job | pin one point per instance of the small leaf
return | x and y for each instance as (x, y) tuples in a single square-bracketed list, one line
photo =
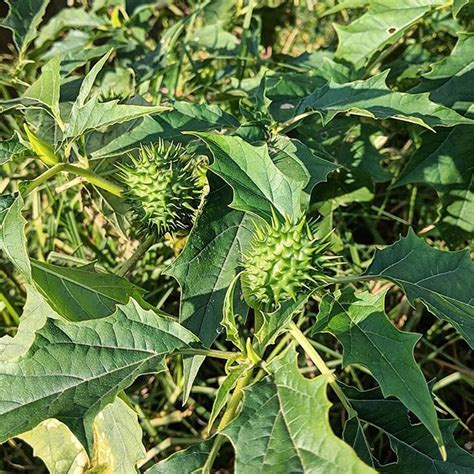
[(78, 294), (43, 149), (294, 159), (12, 237), (273, 324), (23, 19), (46, 88), (443, 281), (229, 316), (359, 321), (283, 426), (258, 185)]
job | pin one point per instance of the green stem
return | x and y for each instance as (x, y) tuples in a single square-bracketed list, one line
[(90, 176), (133, 260), (411, 211), (350, 279), (209, 353), (227, 417), (234, 401), (42, 178), (321, 365), (95, 179)]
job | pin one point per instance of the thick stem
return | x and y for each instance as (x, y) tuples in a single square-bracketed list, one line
[(227, 417), (234, 401), (90, 176), (95, 179), (42, 178), (321, 365)]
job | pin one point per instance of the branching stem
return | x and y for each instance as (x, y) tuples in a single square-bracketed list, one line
[(321, 365), (227, 417), (90, 176)]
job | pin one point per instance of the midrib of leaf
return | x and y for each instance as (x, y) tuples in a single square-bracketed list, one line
[(287, 427), (60, 276), (59, 392)]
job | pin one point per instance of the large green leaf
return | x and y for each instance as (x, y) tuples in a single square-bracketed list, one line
[(443, 281), (67, 18), (367, 98), (445, 161), (258, 185), (12, 237), (359, 321), (215, 40), (78, 294), (372, 98), (34, 315), (23, 19), (450, 80), (94, 114), (168, 125), (207, 266), (413, 444), (384, 23), (73, 370), (283, 426)]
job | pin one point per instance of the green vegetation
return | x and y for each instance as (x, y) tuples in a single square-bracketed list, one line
[(235, 236)]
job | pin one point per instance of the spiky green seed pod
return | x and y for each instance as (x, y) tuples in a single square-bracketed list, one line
[(282, 260), (163, 188)]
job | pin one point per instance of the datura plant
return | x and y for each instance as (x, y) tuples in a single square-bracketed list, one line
[(235, 236)]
